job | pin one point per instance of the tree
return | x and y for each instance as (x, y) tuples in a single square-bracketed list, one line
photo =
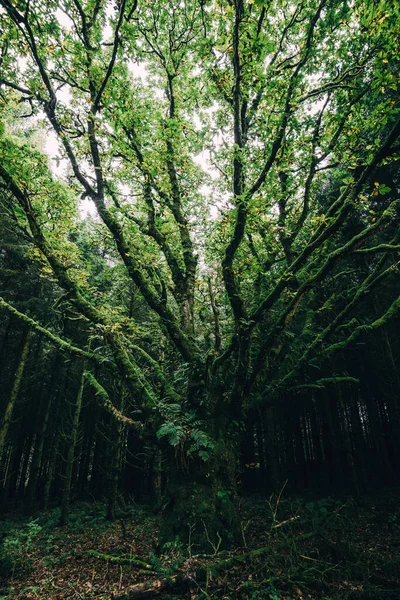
[(295, 105)]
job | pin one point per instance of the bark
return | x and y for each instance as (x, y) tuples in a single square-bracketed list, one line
[(50, 471), (19, 375), (41, 433), (347, 438), (25, 464), (260, 448), (157, 476), (200, 499), (115, 463), (66, 496), (330, 442)]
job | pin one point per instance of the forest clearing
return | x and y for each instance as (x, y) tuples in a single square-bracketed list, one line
[(200, 299)]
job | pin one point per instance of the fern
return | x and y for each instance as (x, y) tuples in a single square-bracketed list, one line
[(173, 432), (181, 426), (201, 444), (167, 568)]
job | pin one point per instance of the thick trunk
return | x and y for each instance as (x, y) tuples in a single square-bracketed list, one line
[(200, 498), (200, 511)]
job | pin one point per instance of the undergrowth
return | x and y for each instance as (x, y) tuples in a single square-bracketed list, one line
[(290, 549)]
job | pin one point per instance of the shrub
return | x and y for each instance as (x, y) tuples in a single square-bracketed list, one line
[(16, 548)]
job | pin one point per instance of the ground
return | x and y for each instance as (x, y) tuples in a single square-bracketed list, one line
[(292, 548)]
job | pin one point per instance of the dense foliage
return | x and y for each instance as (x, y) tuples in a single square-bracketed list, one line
[(228, 315)]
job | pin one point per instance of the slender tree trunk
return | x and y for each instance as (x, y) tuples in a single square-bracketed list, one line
[(247, 457), (359, 441), (50, 470), (115, 463), (331, 446), (348, 443), (66, 495), (25, 464), (271, 446), (53, 441), (394, 396), (84, 466), (10, 466), (157, 476), (41, 433), (260, 448), (4, 339), (15, 388)]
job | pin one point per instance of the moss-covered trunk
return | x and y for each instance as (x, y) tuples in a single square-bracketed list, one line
[(200, 499), (19, 374)]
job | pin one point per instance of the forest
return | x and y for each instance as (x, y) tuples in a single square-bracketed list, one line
[(200, 299)]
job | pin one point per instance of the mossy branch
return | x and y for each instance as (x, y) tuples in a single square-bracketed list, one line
[(379, 248), (104, 398), (124, 559), (150, 360), (324, 381), (391, 312), (62, 344)]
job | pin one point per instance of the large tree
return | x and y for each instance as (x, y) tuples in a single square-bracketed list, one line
[(230, 151)]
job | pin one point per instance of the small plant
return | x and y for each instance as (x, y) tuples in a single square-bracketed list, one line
[(16, 548), (171, 558), (321, 511)]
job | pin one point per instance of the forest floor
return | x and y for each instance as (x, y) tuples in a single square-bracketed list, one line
[(291, 549)]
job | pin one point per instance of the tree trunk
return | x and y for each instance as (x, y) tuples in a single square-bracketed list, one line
[(41, 433), (66, 495), (15, 388), (200, 497), (348, 442), (51, 467), (115, 465)]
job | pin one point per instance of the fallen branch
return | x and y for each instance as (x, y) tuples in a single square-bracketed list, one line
[(124, 559), (150, 589)]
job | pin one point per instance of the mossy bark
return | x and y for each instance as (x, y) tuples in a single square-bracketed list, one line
[(200, 507), (15, 388)]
